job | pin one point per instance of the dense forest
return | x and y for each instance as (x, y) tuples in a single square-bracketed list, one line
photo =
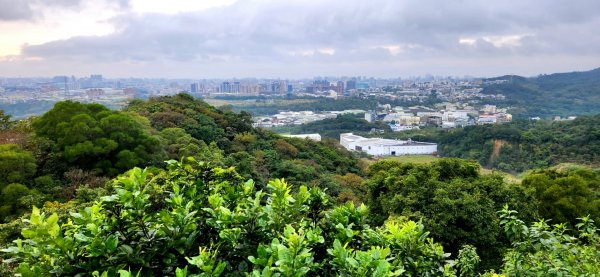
[(86, 191), (73, 145)]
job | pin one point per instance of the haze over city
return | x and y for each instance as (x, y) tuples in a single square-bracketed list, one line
[(296, 39)]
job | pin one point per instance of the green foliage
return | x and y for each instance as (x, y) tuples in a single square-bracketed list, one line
[(5, 121), (195, 220), (179, 143), (565, 195), (373, 262), (544, 250), (187, 125), (92, 137), (16, 199), (16, 165), (468, 260), (564, 94), (196, 117), (456, 204), (521, 145), (291, 257)]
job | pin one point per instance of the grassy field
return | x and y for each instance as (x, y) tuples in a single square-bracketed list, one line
[(421, 159)]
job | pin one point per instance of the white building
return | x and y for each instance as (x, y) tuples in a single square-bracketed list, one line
[(386, 147), (370, 116), (489, 108), (402, 128), (315, 137), (487, 119), (453, 115)]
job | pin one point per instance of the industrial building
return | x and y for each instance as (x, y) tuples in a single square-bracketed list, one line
[(386, 147)]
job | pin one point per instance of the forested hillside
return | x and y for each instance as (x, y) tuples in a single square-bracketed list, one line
[(86, 191), (77, 145), (524, 145), (562, 94), (196, 220)]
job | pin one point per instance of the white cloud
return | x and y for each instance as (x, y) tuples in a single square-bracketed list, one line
[(496, 41), (176, 6)]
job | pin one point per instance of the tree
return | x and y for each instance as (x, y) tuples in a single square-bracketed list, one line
[(563, 195), (16, 200), (5, 122), (455, 203), (179, 143), (544, 250), (16, 165), (92, 137), (203, 221), (195, 116), (352, 188)]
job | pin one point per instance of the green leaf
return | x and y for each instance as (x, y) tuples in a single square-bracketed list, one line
[(111, 243)]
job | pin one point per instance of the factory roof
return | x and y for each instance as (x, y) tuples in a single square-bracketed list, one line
[(380, 141)]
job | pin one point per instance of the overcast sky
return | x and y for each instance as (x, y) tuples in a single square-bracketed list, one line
[(297, 38)]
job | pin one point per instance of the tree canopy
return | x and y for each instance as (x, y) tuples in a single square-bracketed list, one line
[(193, 219), (566, 194), (16, 165), (524, 145), (93, 137), (454, 202)]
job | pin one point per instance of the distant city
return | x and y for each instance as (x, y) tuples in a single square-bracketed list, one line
[(116, 92)]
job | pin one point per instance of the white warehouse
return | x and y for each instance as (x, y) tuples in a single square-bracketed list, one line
[(386, 147)]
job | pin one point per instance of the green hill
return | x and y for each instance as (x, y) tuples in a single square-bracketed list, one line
[(524, 145), (563, 94)]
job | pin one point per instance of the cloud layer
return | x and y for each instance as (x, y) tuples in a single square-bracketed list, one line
[(305, 38)]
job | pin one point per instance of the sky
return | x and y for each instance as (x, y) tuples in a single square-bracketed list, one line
[(297, 38)]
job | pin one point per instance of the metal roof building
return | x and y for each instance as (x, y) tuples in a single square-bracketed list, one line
[(386, 147)]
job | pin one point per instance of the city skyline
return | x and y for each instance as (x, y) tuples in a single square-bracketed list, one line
[(296, 39)]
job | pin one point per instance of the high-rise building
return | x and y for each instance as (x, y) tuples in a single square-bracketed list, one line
[(225, 87), (351, 84), (340, 88), (282, 87), (96, 78), (236, 87)]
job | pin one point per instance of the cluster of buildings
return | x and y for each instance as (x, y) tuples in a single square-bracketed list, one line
[(288, 118), (450, 116), (107, 96), (386, 147), (414, 89), (277, 87), (93, 88)]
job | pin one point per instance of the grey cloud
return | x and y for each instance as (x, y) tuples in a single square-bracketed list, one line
[(296, 31), (13, 10)]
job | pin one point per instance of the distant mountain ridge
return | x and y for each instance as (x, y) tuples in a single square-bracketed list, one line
[(558, 94)]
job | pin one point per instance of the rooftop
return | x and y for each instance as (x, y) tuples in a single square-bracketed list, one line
[(380, 141)]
